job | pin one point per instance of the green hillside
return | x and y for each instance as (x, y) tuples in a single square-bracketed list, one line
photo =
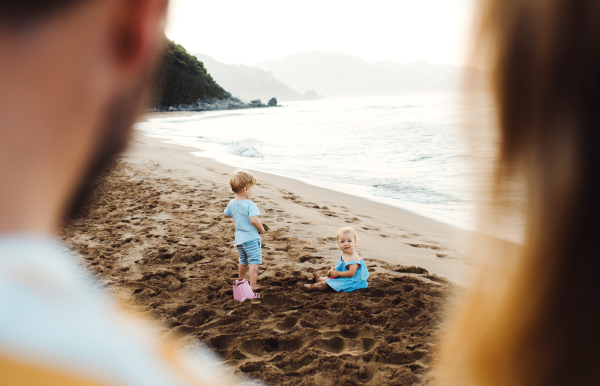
[(182, 79)]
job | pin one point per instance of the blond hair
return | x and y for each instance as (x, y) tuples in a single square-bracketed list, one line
[(539, 327), (344, 230), (240, 179)]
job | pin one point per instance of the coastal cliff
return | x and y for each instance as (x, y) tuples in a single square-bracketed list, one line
[(183, 84), (182, 79)]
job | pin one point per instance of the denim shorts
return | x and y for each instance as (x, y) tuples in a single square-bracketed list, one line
[(250, 252)]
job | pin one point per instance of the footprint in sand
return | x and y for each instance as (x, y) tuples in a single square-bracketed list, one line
[(336, 345), (223, 342), (270, 346), (434, 247), (287, 324), (411, 269), (312, 259)]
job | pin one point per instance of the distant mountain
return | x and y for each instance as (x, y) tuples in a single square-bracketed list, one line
[(182, 79), (248, 82), (311, 95), (335, 73)]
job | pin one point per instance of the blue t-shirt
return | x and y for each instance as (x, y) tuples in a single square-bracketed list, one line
[(241, 211)]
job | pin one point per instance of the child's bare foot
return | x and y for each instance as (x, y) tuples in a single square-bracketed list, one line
[(321, 286), (317, 277), (257, 287), (304, 287)]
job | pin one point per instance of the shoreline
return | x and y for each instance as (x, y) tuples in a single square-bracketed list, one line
[(388, 233), (347, 188)]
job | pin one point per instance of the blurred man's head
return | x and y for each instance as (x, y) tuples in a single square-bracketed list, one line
[(73, 76)]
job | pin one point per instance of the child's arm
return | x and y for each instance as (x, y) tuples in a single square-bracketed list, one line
[(227, 212), (349, 273), (257, 224)]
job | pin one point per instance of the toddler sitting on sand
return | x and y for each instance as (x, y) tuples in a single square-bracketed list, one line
[(349, 274), (248, 227)]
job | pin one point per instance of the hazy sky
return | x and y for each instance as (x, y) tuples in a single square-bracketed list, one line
[(235, 31)]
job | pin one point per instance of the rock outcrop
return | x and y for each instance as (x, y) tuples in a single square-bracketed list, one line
[(211, 104)]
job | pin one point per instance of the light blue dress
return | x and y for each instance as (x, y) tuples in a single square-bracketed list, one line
[(348, 284)]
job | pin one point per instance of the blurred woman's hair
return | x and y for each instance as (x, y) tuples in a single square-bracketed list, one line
[(542, 325)]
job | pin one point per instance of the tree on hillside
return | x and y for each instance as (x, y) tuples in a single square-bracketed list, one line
[(182, 79)]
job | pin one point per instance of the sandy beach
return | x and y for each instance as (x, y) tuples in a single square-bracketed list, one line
[(155, 235)]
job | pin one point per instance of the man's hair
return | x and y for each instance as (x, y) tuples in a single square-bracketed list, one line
[(241, 179), (27, 11), (344, 230)]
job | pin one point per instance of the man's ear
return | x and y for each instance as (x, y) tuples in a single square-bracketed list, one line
[(137, 32)]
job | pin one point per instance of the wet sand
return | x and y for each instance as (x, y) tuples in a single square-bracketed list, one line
[(155, 235)]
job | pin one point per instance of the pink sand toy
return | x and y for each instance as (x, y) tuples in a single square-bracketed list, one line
[(242, 290)]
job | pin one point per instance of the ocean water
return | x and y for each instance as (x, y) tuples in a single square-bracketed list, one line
[(407, 151)]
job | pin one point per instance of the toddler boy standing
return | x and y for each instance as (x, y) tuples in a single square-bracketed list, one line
[(248, 227)]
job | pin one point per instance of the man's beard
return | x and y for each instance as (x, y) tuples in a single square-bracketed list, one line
[(114, 136)]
